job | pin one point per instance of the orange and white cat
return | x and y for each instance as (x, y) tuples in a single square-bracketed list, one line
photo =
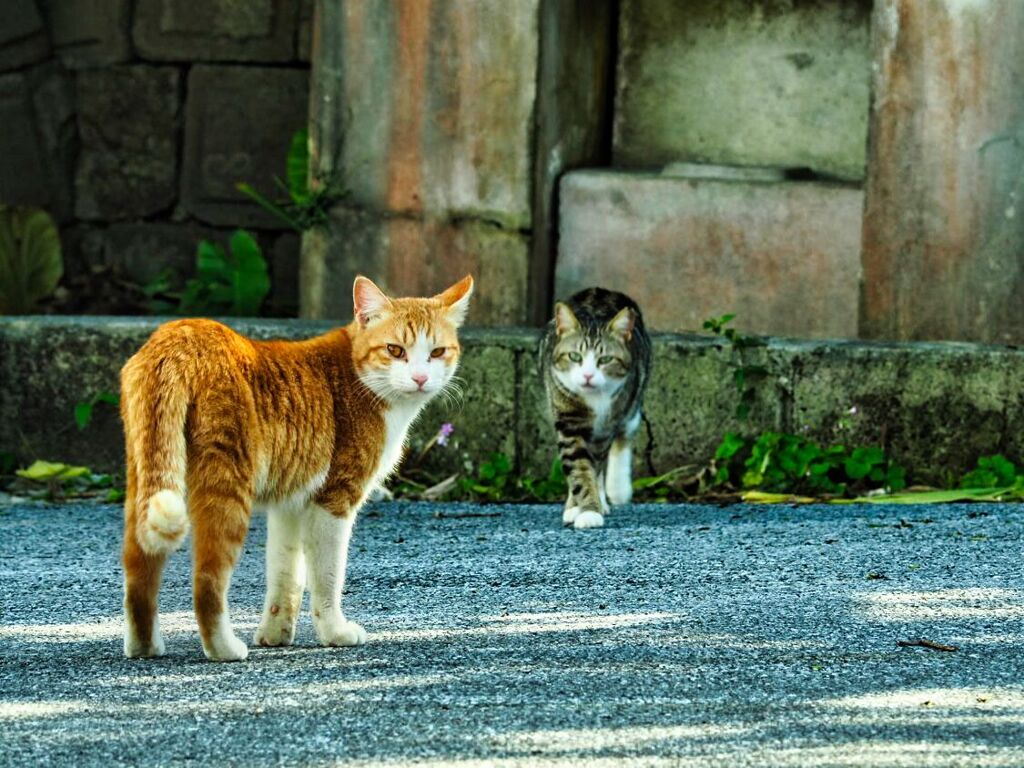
[(216, 423)]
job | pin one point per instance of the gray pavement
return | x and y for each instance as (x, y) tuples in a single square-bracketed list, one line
[(678, 635)]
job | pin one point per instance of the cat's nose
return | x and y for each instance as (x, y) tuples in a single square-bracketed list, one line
[(588, 377), (420, 379)]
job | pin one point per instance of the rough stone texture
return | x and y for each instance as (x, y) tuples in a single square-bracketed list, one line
[(284, 273), (946, 403), (944, 227), (574, 89), (239, 124), (23, 39), (784, 257), (89, 33), (393, 250), (37, 139), (304, 31), (936, 407), (779, 82), (427, 108), (222, 30), (142, 251), (128, 119)]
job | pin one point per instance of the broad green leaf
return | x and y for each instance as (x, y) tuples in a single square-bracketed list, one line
[(30, 258), (731, 444), (939, 497), (44, 471), (762, 497), (251, 283)]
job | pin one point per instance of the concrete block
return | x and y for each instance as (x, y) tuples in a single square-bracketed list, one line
[(226, 30), (688, 249), (284, 274), (943, 226), (427, 108), (23, 39), (393, 251), (744, 83), (37, 142), (304, 31), (238, 127), (128, 120), (935, 407), (89, 33)]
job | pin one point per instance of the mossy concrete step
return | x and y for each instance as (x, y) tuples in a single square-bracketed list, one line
[(937, 407)]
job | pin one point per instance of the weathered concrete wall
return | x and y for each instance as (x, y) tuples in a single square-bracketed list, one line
[(785, 257), (936, 407), (943, 226), (769, 82), (142, 115), (429, 114)]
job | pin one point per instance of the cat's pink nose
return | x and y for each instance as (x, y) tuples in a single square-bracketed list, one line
[(588, 377), (420, 379)]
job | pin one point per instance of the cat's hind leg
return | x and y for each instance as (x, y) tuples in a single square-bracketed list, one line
[(142, 574), (220, 519), (285, 578), (325, 539)]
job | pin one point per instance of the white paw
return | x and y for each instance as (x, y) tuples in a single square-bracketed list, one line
[(133, 649), (620, 489), (588, 519), (226, 647), (275, 630), (570, 515), (341, 633)]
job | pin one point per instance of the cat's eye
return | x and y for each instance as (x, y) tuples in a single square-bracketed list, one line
[(437, 352), (576, 357), (604, 359), (396, 351)]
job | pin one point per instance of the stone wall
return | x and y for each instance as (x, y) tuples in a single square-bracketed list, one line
[(131, 121)]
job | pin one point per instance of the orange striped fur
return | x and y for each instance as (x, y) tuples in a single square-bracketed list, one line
[(216, 423)]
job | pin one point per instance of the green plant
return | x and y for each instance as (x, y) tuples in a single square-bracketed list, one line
[(745, 376), (550, 488), (84, 409), (778, 462), (231, 282), (492, 479), (55, 480), (306, 205), (30, 258), (992, 472)]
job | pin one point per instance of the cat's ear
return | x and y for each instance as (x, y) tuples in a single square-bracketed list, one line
[(623, 323), (456, 299), (565, 320), (368, 301)]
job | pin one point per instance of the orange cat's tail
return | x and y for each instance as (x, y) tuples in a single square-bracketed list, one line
[(154, 405)]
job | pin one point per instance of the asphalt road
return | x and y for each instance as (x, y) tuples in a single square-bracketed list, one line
[(677, 635)]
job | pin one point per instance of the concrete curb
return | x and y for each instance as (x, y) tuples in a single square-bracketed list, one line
[(935, 406)]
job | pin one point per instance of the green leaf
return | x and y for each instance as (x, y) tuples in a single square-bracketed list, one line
[(108, 397), (83, 414), (250, 281), (30, 259), (297, 167), (44, 471), (731, 445), (939, 497)]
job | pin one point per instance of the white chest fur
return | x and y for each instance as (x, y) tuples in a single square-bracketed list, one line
[(397, 421)]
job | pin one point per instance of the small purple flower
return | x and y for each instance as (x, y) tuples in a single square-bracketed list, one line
[(446, 431)]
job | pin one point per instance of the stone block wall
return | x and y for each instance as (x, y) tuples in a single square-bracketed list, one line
[(131, 121)]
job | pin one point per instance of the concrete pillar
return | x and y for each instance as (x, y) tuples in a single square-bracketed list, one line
[(448, 122), (944, 213)]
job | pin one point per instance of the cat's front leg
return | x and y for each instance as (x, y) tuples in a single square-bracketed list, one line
[(325, 539), (285, 576), (583, 508)]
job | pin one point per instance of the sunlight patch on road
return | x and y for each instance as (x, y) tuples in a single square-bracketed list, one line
[(996, 603), (530, 623)]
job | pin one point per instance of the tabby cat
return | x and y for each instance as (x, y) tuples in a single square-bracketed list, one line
[(596, 359), (216, 423)]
